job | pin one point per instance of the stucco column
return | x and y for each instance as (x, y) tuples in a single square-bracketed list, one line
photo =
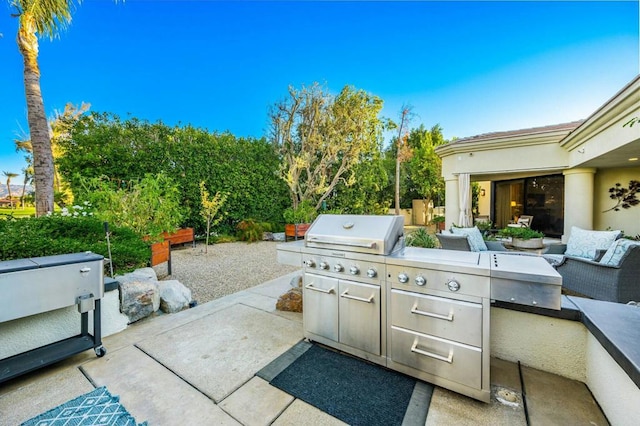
[(578, 199), (451, 202)]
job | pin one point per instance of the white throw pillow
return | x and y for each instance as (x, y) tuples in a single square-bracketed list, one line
[(584, 243), (476, 242), (616, 252)]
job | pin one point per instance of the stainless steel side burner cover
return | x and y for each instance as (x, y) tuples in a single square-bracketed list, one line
[(356, 233)]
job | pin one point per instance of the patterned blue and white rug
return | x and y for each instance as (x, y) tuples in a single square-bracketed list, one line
[(97, 407)]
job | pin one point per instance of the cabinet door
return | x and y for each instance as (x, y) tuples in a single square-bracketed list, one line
[(320, 310), (360, 316)]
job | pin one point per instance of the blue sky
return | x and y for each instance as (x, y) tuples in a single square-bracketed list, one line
[(472, 67)]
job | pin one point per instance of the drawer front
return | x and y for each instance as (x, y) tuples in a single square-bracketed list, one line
[(360, 316), (442, 358), (438, 316), (320, 306)]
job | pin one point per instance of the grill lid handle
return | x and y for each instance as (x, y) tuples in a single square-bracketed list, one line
[(368, 245)]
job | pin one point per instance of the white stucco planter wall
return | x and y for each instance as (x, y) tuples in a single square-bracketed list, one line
[(549, 344), (32, 332), (568, 349), (616, 393)]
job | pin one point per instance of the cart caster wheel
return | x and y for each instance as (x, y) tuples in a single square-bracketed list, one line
[(101, 351)]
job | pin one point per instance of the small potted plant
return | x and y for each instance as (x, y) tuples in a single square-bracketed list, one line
[(525, 238), (438, 221), (298, 219)]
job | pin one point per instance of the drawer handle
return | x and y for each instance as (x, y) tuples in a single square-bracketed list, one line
[(416, 311), (320, 290), (448, 359), (346, 295)]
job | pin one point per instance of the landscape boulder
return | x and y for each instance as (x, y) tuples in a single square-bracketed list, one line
[(174, 296), (291, 301), (139, 295)]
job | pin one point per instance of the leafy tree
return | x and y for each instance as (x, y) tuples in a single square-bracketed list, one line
[(210, 208), (321, 138), (149, 207), (60, 128), (365, 193), (425, 167), (420, 176)]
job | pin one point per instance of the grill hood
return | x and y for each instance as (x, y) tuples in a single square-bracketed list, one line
[(356, 233)]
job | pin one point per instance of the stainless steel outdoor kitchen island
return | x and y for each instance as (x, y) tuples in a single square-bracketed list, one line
[(423, 312)]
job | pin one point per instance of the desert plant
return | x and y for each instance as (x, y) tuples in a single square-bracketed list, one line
[(420, 238)]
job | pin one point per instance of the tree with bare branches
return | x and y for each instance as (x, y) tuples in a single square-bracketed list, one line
[(321, 137)]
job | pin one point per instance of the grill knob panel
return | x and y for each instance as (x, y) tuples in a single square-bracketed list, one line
[(420, 280), (403, 278), (354, 270), (453, 285), (323, 265), (310, 263), (338, 267), (371, 273)]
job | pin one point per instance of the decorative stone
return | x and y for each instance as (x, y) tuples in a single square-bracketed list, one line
[(174, 296), (267, 236), (139, 296), (278, 236), (150, 273), (290, 301)]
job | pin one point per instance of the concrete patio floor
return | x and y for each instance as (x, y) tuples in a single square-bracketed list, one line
[(198, 367)]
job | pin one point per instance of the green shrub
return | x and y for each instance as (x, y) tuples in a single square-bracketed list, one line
[(421, 238), (251, 231), (51, 235), (523, 233)]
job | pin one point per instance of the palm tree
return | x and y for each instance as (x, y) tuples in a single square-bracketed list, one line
[(46, 18), (10, 176), (27, 172)]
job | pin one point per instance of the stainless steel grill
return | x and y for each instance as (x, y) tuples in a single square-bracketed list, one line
[(424, 312)]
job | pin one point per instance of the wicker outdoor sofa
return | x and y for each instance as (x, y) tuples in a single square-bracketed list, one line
[(619, 283)]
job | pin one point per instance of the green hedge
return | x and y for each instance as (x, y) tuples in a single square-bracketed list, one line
[(45, 236), (102, 144)]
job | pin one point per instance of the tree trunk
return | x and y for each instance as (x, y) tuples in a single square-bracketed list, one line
[(38, 126), (398, 181)]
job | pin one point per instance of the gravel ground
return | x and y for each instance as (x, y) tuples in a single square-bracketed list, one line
[(225, 268)]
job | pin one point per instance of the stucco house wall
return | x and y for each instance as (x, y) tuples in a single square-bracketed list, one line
[(592, 154)]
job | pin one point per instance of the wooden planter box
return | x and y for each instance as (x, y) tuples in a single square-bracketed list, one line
[(181, 236), (160, 253), (296, 231)]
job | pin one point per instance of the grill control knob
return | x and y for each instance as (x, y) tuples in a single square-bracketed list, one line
[(371, 273), (324, 265), (354, 270), (338, 267), (309, 263), (403, 278), (421, 280), (453, 285)]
